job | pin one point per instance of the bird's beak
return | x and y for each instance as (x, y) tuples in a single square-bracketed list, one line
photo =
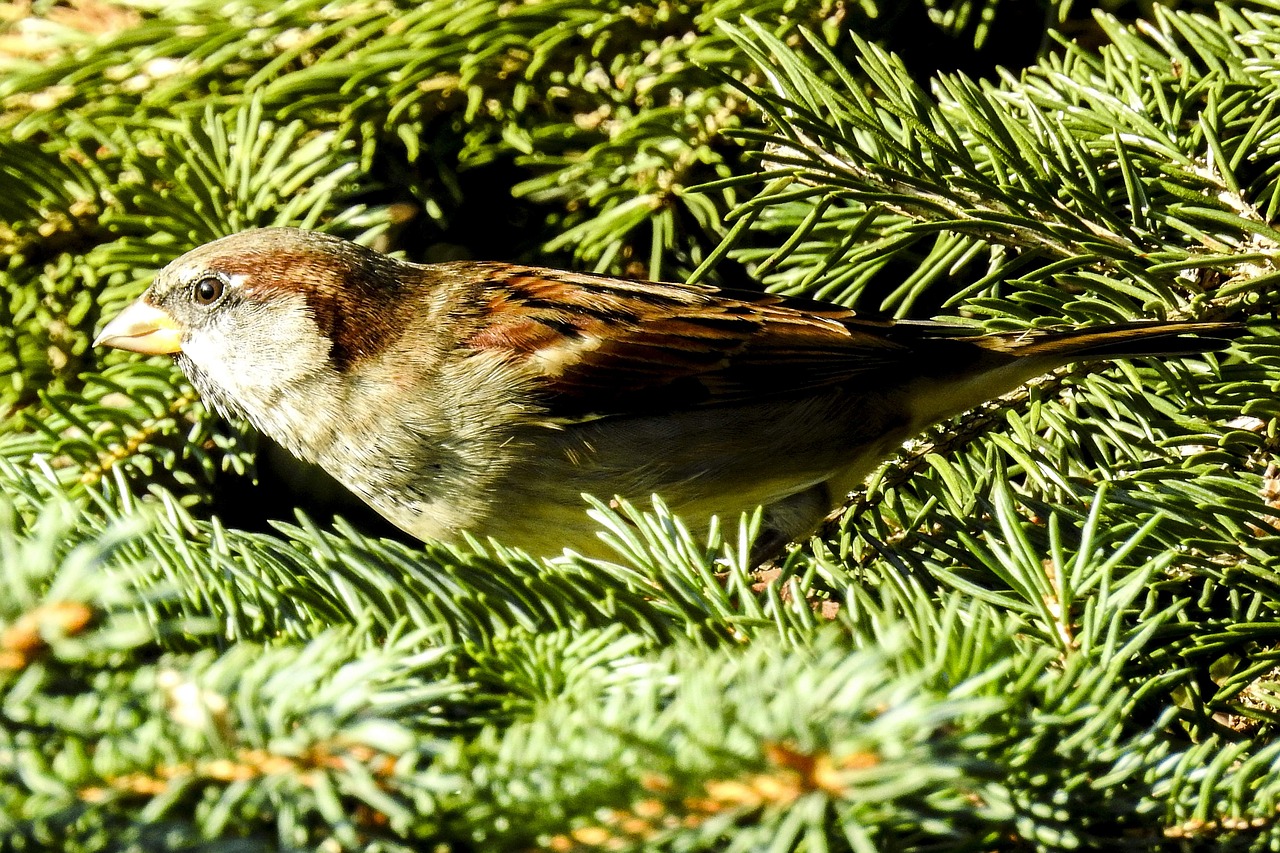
[(142, 328)]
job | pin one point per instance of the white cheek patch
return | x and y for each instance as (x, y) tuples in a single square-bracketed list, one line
[(270, 365), (253, 352)]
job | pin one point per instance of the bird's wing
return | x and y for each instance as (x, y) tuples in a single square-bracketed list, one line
[(602, 346)]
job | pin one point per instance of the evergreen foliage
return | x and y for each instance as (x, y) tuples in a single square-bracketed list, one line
[(1051, 623)]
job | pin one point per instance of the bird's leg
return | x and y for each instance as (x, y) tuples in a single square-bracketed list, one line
[(789, 519)]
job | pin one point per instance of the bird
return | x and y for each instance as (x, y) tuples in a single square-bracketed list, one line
[(486, 398)]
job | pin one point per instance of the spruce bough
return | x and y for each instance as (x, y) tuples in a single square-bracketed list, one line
[(1049, 623)]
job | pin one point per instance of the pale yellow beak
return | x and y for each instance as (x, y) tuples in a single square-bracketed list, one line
[(142, 328)]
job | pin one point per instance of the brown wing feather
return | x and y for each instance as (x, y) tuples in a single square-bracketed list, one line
[(605, 346)]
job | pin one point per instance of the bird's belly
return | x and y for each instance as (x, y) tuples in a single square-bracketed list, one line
[(715, 462)]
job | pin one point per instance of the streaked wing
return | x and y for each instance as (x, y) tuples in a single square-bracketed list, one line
[(606, 346)]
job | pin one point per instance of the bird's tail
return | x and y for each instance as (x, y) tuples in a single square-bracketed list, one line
[(1121, 340), (963, 372)]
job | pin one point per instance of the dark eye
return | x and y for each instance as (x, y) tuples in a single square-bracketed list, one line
[(208, 290)]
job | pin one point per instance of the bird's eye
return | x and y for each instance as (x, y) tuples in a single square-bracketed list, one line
[(208, 290)]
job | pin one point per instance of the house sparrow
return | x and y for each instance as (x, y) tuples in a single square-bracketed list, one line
[(488, 397)]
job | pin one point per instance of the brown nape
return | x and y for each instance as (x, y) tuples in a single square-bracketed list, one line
[(357, 296)]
